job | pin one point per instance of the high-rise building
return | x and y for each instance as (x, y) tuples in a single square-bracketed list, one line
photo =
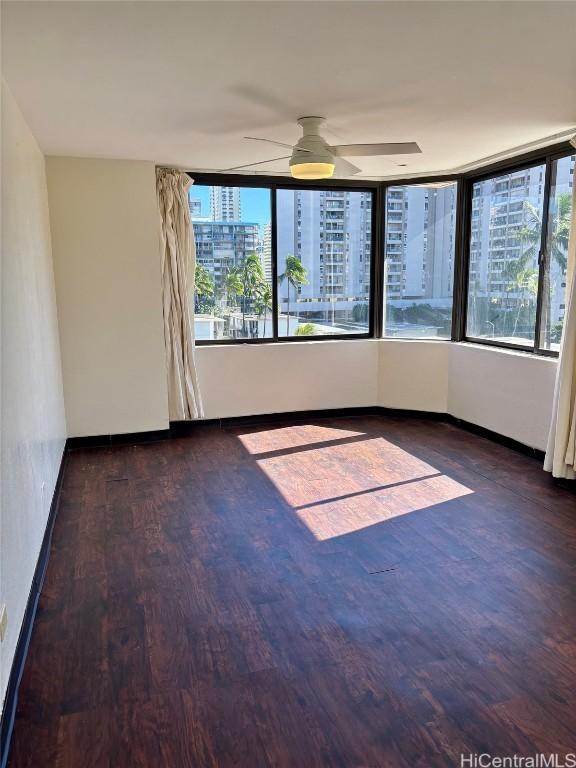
[(225, 204), (195, 206), (265, 251), (221, 245), (329, 231), (503, 265), (438, 279), (499, 214), (419, 250)]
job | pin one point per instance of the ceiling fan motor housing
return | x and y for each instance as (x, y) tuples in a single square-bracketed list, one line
[(316, 148)]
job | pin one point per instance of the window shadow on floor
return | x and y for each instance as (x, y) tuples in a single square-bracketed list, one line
[(337, 485)]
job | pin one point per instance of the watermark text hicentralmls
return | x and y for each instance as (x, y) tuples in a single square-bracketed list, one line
[(540, 760)]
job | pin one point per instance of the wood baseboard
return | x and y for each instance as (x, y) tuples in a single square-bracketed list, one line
[(183, 428), (11, 697)]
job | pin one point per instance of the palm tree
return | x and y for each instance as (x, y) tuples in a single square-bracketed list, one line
[(252, 276), (295, 275), (233, 287), (558, 230), (203, 285), (557, 246), (263, 302), (233, 283), (525, 281)]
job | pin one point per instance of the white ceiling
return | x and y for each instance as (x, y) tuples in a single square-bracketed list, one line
[(182, 82)]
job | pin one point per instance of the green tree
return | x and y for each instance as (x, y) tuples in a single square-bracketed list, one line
[(557, 249), (556, 333), (561, 226), (520, 277), (252, 276), (295, 275), (306, 329), (233, 284), (263, 302), (558, 230), (524, 279), (203, 288)]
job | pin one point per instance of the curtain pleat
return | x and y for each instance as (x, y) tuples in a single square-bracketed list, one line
[(178, 250), (561, 450)]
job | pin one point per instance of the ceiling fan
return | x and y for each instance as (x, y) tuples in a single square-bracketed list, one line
[(313, 158)]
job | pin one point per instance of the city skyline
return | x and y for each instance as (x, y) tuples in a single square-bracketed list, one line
[(254, 202), (329, 232)]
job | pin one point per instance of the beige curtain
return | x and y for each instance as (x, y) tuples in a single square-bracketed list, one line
[(178, 267), (561, 450)]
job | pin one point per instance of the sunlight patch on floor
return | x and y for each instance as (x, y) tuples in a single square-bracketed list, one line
[(337, 518), (342, 487), (299, 435)]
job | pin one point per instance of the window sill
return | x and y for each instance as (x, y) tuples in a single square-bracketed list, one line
[(415, 340), (282, 342), (525, 353), (481, 346)]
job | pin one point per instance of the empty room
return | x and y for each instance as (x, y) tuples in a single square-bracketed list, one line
[(288, 384)]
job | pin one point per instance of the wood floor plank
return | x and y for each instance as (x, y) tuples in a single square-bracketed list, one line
[(368, 592)]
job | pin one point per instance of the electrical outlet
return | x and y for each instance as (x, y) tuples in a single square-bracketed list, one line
[(3, 622)]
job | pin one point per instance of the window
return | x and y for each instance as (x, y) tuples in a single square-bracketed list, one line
[(554, 275), (478, 257), (518, 247), (419, 254), (233, 298), (505, 241), (324, 248)]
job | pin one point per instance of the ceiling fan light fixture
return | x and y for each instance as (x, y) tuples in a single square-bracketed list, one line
[(311, 158), (312, 171)]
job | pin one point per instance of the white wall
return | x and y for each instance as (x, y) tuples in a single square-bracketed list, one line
[(32, 412), (506, 391), (105, 240), (248, 379), (272, 378), (413, 375)]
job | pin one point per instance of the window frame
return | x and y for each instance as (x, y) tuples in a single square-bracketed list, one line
[(274, 183), (546, 157), (414, 182), (378, 189)]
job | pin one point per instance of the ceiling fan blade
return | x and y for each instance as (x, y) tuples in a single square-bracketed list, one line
[(344, 168), (266, 100), (261, 162), (278, 143), (366, 150)]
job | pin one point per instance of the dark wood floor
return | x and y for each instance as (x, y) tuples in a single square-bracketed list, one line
[(349, 593)]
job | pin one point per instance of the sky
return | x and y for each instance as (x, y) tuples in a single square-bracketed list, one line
[(254, 203)]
